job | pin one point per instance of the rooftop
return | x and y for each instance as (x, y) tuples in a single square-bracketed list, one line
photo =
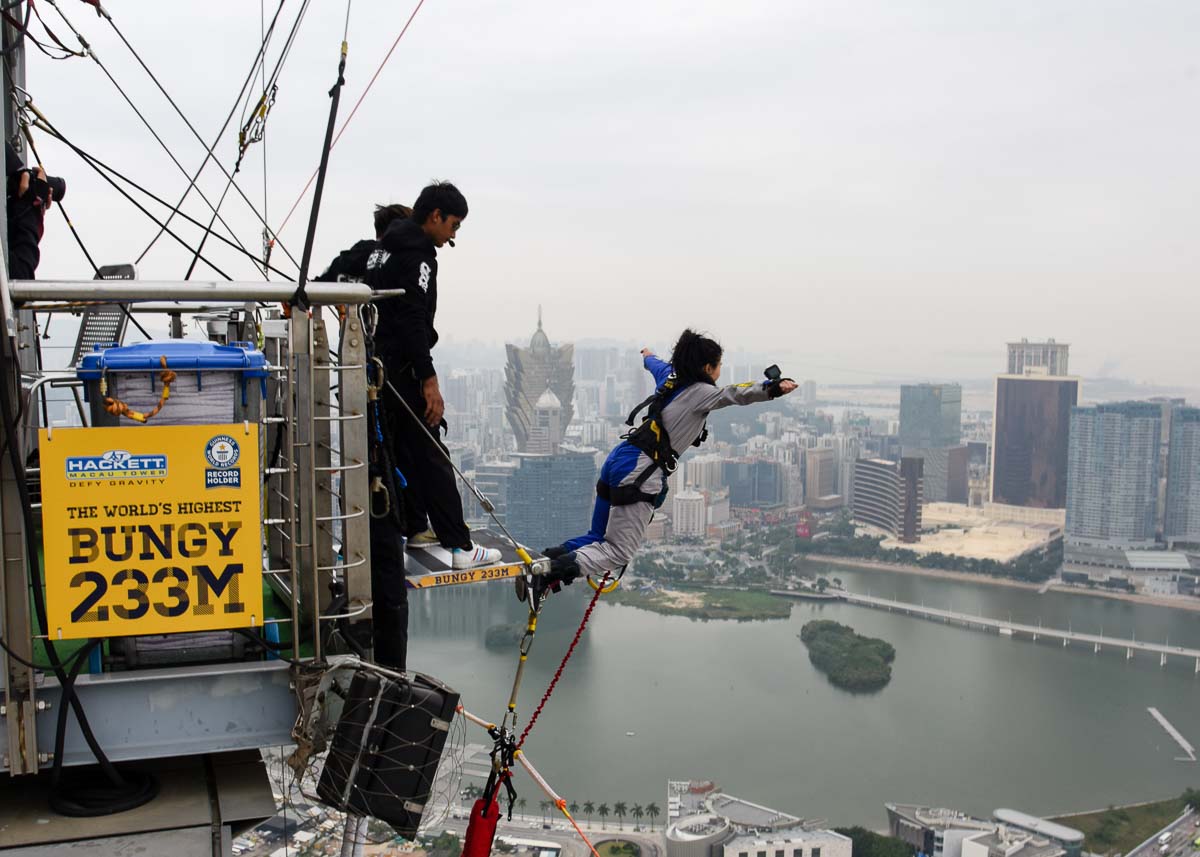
[(1157, 561), (1004, 844), (1040, 826), (792, 835), (743, 813), (695, 827), (938, 817)]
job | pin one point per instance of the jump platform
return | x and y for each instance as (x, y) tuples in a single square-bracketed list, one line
[(428, 568)]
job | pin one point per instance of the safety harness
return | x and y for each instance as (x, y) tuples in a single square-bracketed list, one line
[(385, 478), (651, 438)]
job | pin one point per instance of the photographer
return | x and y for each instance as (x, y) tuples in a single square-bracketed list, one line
[(30, 194)]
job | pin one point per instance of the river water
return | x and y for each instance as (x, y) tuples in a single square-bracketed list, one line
[(969, 720)]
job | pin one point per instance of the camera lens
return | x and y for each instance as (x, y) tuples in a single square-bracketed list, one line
[(58, 185)]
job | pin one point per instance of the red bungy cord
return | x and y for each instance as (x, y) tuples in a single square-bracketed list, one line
[(587, 614)]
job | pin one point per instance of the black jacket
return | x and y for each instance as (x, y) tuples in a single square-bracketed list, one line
[(405, 259), (24, 219), (350, 266)]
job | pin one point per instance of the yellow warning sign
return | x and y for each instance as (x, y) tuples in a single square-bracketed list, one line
[(151, 530)]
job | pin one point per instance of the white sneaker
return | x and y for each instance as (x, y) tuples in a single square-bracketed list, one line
[(461, 558)]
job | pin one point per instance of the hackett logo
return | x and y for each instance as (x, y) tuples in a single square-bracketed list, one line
[(116, 464)]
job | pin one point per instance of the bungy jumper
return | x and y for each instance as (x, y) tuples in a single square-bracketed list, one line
[(633, 481)]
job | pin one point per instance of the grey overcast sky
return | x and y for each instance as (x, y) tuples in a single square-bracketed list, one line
[(891, 188)]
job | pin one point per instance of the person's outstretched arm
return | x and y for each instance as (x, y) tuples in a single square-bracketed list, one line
[(743, 394), (660, 369)]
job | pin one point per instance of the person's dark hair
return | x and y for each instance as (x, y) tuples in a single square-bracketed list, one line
[(692, 353), (385, 214), (441, 196)]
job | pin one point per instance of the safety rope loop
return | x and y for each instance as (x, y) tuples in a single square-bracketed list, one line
[(119, 409), (587, 614)]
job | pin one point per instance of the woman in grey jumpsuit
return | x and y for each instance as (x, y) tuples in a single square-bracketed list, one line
[(636, 484)]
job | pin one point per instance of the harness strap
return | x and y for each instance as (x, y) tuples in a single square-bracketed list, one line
[(625, 495)]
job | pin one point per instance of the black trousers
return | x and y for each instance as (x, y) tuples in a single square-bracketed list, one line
[(432, 498)]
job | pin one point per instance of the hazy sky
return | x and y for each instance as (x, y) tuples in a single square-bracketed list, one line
[(889, 188)]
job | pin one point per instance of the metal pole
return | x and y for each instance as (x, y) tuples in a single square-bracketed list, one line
[(124, 291)]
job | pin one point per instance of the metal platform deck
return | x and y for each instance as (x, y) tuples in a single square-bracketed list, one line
[(427, 568)]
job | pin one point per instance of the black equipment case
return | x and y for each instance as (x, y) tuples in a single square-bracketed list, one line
[(386, 747)]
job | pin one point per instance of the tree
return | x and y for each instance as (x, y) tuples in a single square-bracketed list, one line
[(445, 845), (653, 811), (521, 802), (589, 808), (603, 811), (619, 810), (638, 814), (543, 804), (573, 808), (1191, 797), (868, 844)]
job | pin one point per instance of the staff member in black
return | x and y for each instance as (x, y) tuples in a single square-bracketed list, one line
[(350, 266), (406, 258)]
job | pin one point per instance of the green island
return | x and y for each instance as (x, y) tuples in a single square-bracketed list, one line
[(737, 604), (1120, 829), (617, 848), (850, 660)]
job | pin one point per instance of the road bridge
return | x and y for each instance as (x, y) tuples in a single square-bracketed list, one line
[(1010, 629)]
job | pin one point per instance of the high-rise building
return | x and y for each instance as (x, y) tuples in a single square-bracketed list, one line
[(1168, 406), (689, 515), (705, 472), (945, 472), (1030, 435), (808, 392), (887, 495), (492, 480), (931, 429), (546, 433), (930, 415), (1112, 474), (754, 483), (1182, 518), (550, 496), (820, 478), (1037, 358), (529, 373)]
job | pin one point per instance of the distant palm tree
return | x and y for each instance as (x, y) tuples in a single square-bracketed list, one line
[(619, 810), (653, 811), (521, 802), (573, 808), (603, 812), (589, 808), (638, 814)]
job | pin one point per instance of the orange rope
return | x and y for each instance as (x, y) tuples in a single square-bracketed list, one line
[(562, 805), (119, 409)]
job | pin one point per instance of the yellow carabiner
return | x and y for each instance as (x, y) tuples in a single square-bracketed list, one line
[(604, 586)]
